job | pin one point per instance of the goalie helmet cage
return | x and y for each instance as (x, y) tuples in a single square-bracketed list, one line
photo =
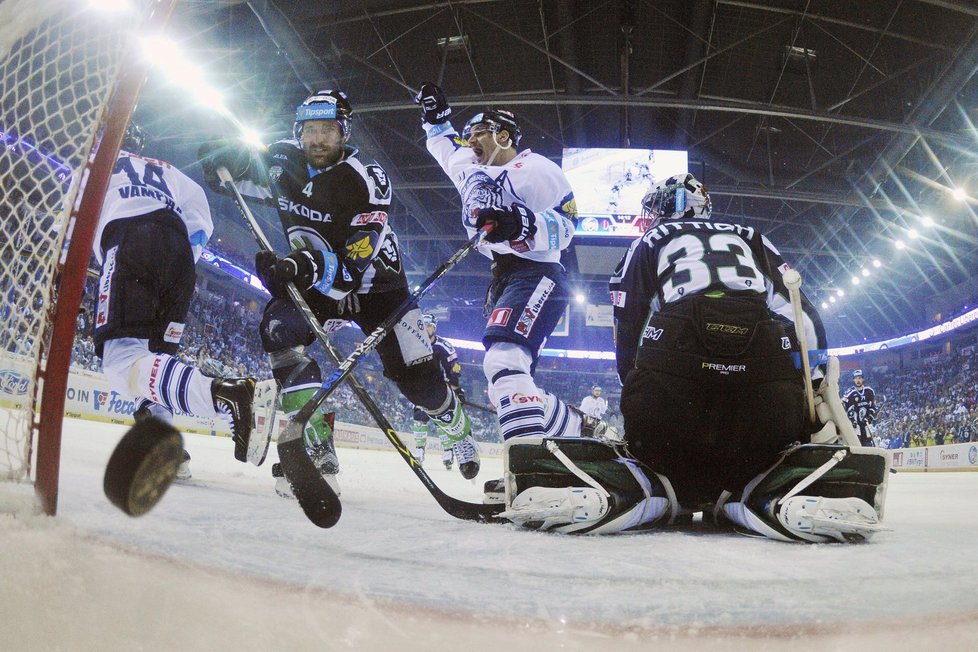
[(68, 85)]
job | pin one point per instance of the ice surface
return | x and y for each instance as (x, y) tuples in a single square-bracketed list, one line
[(225, 564)]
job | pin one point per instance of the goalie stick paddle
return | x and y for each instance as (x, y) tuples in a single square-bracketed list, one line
[(321, 498)]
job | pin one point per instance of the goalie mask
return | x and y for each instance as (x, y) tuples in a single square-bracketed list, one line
[(324, 105), (495, 120), (680, 197)]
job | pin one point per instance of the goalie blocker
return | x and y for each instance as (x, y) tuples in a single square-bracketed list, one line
[(815, 493)]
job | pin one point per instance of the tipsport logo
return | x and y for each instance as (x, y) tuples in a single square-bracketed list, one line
[(112, 403)]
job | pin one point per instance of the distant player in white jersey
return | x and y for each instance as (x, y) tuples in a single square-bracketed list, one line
[(530, 204), (594, 405), (154, 224)]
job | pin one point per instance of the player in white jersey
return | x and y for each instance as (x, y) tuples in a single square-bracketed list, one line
[(154, 224), (529, 201), (594, 405)]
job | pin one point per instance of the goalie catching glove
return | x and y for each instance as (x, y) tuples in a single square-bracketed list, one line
[(307, 269), (514, 224)]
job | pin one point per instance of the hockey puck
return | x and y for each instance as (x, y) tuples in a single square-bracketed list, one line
[(143, 465)]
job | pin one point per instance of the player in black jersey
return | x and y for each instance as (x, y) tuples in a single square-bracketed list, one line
[(447, 360), (860, 404), (345, 260)]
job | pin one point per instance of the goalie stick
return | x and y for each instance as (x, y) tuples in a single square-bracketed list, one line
[(792, 280), (317, 499)]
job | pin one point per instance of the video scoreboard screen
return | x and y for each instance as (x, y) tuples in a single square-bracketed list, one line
[(609, 185)]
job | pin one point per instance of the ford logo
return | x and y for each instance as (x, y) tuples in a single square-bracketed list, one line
[(12, 382)]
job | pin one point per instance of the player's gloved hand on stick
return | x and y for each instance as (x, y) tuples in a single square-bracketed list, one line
[(434, 104), (231, 154), (514, 224), (265, 269), (303, 267)]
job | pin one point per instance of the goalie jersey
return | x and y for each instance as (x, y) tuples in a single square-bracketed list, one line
[(141, 185), (678, 259), (530, 179)]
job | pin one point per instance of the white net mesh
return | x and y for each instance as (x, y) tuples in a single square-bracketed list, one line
[(59, 60)]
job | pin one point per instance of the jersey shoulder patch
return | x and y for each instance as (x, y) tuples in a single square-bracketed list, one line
[(378, 184)]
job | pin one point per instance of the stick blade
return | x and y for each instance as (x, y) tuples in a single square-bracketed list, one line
[(317, 499)]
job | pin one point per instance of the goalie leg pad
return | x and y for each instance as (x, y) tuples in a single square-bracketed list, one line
[(816, 493), (574, 485)]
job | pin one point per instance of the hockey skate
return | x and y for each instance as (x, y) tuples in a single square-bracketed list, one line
[(494, 492), (234, 398), (183, 471), (419, 455), (467, 454), (846, 520), (447, 458)]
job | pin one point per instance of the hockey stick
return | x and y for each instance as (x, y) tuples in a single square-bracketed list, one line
[(792, 280), (479, 406), (455, 507), (318, 500)]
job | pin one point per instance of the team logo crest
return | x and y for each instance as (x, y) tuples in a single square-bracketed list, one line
[(275, 172), (360, 248), (479, 191)]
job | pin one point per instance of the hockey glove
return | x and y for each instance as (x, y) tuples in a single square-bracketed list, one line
[(515, 224), (223, 153), (265, 269), (304, 267), (434, 104), (460, 393)]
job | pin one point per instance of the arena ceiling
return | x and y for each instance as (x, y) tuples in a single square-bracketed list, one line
[(835, 127)]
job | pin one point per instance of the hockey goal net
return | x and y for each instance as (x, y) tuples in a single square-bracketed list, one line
[(67, 82)]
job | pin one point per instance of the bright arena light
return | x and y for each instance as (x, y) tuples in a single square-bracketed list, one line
[(252, 137), (580, 297), (960, 194), (855, 280), (927, 220), (900, 244), (840, 292), (832, 299), (877, 263), (109, 5), (864, 271), (824, 305), (912, 233)]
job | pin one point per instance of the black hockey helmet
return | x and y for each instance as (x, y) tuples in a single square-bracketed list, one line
[(497, 120), (679, 197), (324, 105), (134, 140)]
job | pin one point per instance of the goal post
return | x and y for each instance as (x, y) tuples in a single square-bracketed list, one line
[(69, 78)]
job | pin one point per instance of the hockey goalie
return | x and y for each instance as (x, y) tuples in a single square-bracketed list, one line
[(714, 403)]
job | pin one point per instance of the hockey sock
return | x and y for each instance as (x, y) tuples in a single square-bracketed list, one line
[(559, 420), (317, 430), (420, 434), (520, 405), (451, 422), (176, 386), (154, 409)]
